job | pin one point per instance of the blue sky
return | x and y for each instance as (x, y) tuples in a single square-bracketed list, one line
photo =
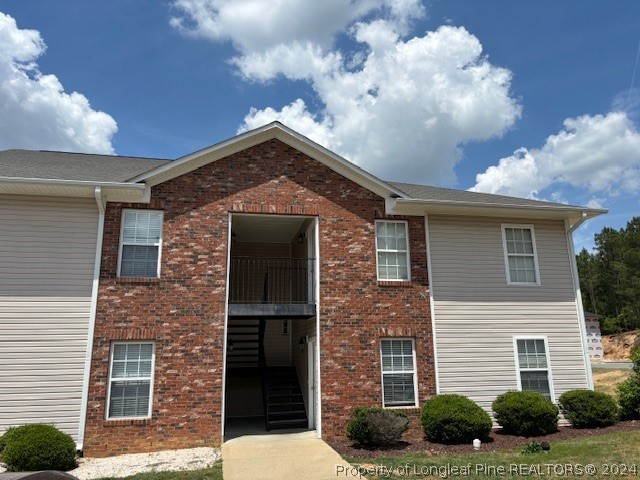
[(520, 98)]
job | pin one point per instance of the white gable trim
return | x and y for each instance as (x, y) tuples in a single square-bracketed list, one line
[(274, 130)]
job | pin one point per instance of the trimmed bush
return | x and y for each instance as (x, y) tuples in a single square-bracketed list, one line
[(629, 399), (589, 409), (37, 447), (525, 413), (454, 419), (376, 427)]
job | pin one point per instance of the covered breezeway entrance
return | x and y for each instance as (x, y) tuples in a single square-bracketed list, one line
[(271, 356)]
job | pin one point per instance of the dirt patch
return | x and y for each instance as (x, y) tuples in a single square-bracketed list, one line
[(619, 345), (607, 381), (414, 442)]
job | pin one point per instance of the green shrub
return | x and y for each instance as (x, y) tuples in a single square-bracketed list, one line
[(453, 419), (610, 326), (635, 359), (37, 447), (532, 446), (589, 409), (525, 413), (629, 399), (376, 427)]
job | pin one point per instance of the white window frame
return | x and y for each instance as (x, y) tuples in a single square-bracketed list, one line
[(121, 244), (548, 369), (415, 374), (375, 234), (131, 379), (507, 254)]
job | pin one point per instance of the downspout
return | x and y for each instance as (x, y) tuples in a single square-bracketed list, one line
[(576, 284), (432, 305), (101, 203)]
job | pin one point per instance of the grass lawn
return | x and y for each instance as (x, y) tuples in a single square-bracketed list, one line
[(614, 450), (607, 380), (212, 473)]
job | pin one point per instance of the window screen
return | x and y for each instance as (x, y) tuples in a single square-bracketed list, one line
[(130, 380), (398, 372), (141, 238), (392, 250), (533, 365)]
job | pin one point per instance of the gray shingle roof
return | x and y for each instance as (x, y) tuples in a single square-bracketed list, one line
[(111, 168), (439, 194), (73, 166)]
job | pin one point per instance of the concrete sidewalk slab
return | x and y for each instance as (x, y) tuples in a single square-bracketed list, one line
[(280, 456)]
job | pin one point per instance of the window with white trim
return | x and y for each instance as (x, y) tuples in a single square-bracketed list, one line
[(399, 381), (140, 243), (130, 380), (521, 259), (392, 248), (533, 365)]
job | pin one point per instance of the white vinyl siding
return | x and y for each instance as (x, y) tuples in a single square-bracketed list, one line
[(392, 249), (140, 243), (521, 260), (398, 372), (477, 314), (533, 365), (130, 380), (47, 250)]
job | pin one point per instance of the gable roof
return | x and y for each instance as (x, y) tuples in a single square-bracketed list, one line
[(76, 174), (45, 164), (273, 130), (427, 192)]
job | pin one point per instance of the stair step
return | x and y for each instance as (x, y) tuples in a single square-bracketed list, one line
[(298, 411), (293, 423), (234, 334), (280, 392), (284, 388), (299, 415), (286, 404)]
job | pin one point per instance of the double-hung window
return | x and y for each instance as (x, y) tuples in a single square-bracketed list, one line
[(521, 259), (399, 380), (130, 380), (532, 362), (140, 243), (392, 248)]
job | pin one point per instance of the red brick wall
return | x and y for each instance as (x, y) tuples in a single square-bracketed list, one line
[(183, 311)]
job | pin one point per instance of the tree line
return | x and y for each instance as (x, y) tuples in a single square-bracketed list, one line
[(610, 277)]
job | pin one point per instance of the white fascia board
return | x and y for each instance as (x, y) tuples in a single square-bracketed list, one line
[(112, 191), (410, 206), (274, 130)]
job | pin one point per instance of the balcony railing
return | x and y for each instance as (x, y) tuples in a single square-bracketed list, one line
[(272, 280)]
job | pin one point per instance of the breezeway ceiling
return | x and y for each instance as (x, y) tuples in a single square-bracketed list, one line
[(266, 228)]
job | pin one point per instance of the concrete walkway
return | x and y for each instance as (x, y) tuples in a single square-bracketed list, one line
[(281, 456)]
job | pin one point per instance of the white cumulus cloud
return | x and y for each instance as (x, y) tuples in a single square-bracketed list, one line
[(597, 153), (405, 110), (35, 111), (402, 107), (258, 25)]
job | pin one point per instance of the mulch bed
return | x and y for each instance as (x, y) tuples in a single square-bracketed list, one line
[(414, 442)]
